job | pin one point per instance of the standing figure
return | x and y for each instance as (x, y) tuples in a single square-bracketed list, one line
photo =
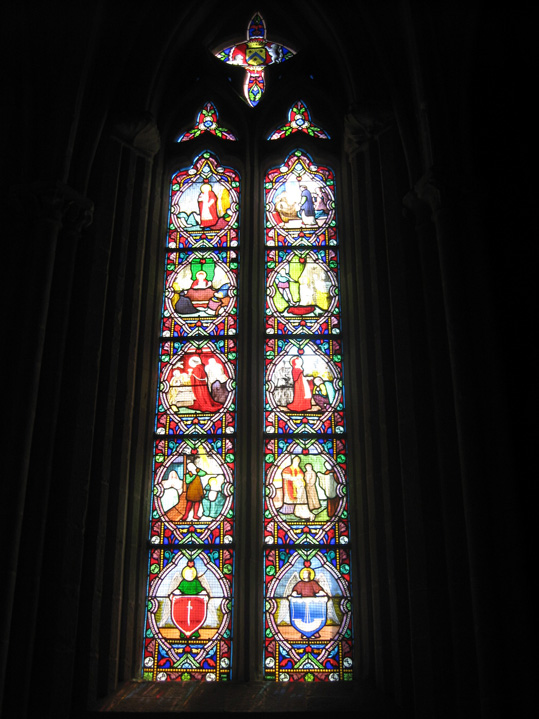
[(207, 206), (203, 402), (301, 401), (327, 482), (214, 499), (217, 379), (294, 494), (313, 500), (306, 210), (283, 280), (195, 490)]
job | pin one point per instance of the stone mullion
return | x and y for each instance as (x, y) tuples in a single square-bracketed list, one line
[(353, 282), (378, 198)]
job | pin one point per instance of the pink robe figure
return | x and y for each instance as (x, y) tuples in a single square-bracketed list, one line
[(207, 206), (302, 388), (204, 402)]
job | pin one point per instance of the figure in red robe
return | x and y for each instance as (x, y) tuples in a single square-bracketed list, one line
[(204, 402), (303, 388), (307, 585), (207, 206)]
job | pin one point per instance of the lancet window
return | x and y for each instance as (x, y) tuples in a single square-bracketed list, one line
[(305, 620)]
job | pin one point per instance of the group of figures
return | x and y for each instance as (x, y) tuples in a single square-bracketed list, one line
[(189, 492), (300, 202), (313, 392), (201, 288), (303, 492), (198, 382), (301, 286)]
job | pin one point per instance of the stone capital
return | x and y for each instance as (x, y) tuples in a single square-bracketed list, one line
[(361, 126), (425, 198), (140, 132), (51, 203), (429, 190)]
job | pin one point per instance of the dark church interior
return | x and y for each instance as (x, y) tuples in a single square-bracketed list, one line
[(428, 129)]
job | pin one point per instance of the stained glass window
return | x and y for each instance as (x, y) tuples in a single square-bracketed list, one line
[(207, 121), (188, 632), (308, 607), (299, 120), (254, 54)]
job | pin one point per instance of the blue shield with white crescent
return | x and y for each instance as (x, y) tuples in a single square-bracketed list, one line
[(308, 614)]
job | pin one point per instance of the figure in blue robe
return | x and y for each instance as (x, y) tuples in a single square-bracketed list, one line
[(306, 210)]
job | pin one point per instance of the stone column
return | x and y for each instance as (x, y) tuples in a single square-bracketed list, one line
[(46, 221), (379, 407)]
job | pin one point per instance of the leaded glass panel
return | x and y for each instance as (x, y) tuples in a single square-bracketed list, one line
[(188, 632), (197, 387), (200, 293), (299, 120), (302, 292), (300, 203), (254, 54), (204, 205), (303, 389), (193, 492), (189, 615), (207, 121), (305, 491), (308, 630), (308, 610)]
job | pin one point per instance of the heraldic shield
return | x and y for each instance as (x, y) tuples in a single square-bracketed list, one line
[(189, 612), (308, 614)]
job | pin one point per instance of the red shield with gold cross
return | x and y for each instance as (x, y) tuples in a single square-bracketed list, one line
[(189, 612)]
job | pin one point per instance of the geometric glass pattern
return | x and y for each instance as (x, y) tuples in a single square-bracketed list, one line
[(188, 630), (254, 54), (308, 604), (299, 120), (207, 121)]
